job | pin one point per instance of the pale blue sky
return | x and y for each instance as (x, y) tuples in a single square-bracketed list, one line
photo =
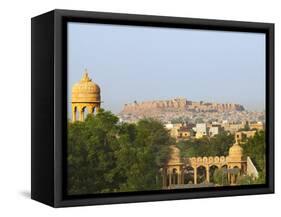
[(148, 63)]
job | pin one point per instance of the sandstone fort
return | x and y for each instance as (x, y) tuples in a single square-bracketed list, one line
[(180, 104)]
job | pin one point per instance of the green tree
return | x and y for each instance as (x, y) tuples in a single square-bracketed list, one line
[(220, 177), (91, 146), (255, 148), (217, 145), (245, 180), (150, 151), (107, 156)]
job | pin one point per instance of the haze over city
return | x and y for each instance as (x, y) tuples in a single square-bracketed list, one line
[(146, 63)]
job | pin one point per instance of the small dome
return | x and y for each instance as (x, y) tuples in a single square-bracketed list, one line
[(236, 150), (174, 155), (85, 90)]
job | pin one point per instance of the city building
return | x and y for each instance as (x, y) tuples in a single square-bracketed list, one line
[(200, 130), (257, 125), (214, 130), (180, 131), (242, 136), (184, 133), (233, 127)]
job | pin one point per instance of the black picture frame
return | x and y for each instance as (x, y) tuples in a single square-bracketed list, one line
[(49, 103)]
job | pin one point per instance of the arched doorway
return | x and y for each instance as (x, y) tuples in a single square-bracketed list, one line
[(86, 112), (201, 174), (212, 171), (167, 176), (235, 173), (174, 177), (225, 175), (188, 174)]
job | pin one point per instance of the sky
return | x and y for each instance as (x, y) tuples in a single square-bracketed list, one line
[(152, 63)]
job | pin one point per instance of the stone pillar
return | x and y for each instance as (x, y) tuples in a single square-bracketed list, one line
[(164, 177), (179, 178), (81, 115), (73, 114), (91, 109), (229, 175), (174, 178), (195, 175), (97, 109), (170, 180), (207, 174)]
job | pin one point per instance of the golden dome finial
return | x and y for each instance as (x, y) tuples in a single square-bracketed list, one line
[(85, 77)]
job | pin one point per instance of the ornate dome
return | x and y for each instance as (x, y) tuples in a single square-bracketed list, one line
[(236, 150), (85, 90), (175, 155)]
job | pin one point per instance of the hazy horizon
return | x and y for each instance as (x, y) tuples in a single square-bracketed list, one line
[(150, 63)]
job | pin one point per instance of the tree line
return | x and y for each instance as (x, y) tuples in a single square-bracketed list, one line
[(105, 155), (207, 146)]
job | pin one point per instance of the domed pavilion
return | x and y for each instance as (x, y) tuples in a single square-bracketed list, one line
[(86, 97), (200, 170)]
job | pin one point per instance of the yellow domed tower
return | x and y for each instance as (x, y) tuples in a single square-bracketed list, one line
[(235, 153), (236, 160), (85, 95)]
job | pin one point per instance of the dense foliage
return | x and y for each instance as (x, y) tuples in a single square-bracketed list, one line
[(207, 146), (107, 156), (220, 177), (255, 148)]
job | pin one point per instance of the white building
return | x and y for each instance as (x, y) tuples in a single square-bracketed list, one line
[(214, 131), (201, 130)]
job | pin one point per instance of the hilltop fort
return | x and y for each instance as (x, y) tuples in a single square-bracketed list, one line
[(179, 104)]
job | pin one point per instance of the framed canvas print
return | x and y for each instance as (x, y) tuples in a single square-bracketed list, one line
[(131, 108)]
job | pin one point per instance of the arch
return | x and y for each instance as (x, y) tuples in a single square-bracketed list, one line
[(210, 159), (222, 159), (199, 160), (91, 109), (224, 166), (212, 170), (188, 175), (205, 160), (84, 113), (217, 159), (235, 174), (193, 160), (201, 174)]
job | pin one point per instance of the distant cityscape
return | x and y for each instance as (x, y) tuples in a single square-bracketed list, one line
[(186, 119)]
